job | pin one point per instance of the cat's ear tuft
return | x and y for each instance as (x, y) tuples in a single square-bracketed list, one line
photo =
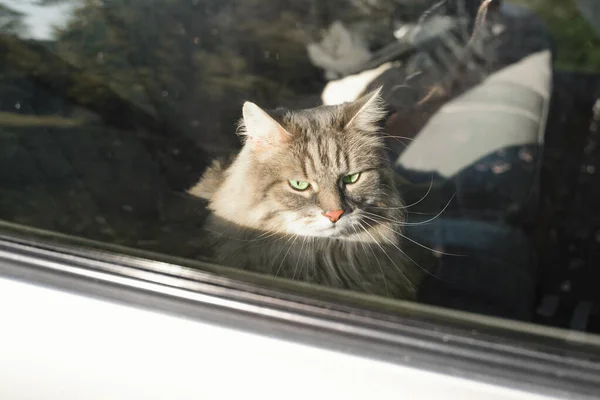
[(366, 113), (262, 131)]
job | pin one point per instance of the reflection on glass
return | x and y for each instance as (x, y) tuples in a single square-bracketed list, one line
[(452, 160)]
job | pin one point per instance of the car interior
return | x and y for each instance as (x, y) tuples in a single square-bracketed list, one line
[(495, 146)]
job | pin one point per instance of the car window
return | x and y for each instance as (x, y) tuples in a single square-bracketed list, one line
[(443, 153)]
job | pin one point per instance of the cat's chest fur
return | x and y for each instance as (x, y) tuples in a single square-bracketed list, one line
[(367, 267)]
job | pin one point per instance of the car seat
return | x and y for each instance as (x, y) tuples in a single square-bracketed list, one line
[(481, 146)]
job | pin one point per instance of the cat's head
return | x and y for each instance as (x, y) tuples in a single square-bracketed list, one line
[(321, 172)]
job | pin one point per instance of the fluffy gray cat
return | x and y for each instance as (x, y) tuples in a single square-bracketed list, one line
[(312, 196)]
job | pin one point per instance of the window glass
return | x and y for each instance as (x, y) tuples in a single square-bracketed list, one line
[(452, 159)]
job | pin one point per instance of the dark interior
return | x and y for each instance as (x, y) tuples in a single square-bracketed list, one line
[(531, 233)]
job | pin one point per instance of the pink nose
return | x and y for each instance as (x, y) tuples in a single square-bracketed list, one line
[(333, 216)]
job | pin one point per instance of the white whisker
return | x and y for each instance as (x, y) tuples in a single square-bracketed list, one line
[(413, 241), (413, 204), (404, 223), (299, 256), (396, 137), (364, 245), (404, 253), (306, 260), (434, 217), (286, 253), (386, 254)]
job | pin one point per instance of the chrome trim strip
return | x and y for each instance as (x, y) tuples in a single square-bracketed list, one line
[(536, 367)]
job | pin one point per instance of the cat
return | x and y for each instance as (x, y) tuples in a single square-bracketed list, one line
[(312, 196)]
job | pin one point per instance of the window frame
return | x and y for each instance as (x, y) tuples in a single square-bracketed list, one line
[(544, 360)]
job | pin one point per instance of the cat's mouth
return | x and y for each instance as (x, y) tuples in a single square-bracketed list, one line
[(348, 227), (343, 229), (335, 231)]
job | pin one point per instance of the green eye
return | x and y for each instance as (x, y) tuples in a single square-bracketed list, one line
[(349, 179), (299, 185)]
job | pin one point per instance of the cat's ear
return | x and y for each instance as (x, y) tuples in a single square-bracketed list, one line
[(365, 113), (262, 131)]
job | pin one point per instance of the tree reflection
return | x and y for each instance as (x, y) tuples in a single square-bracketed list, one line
[(11, 21), (161, 83)]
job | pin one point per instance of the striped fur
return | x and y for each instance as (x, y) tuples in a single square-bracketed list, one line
[(260, 223)]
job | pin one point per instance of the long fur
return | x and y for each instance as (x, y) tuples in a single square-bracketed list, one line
[(259, 223)]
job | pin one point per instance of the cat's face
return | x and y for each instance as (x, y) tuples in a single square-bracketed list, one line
[(325, 182), (321, 172)]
